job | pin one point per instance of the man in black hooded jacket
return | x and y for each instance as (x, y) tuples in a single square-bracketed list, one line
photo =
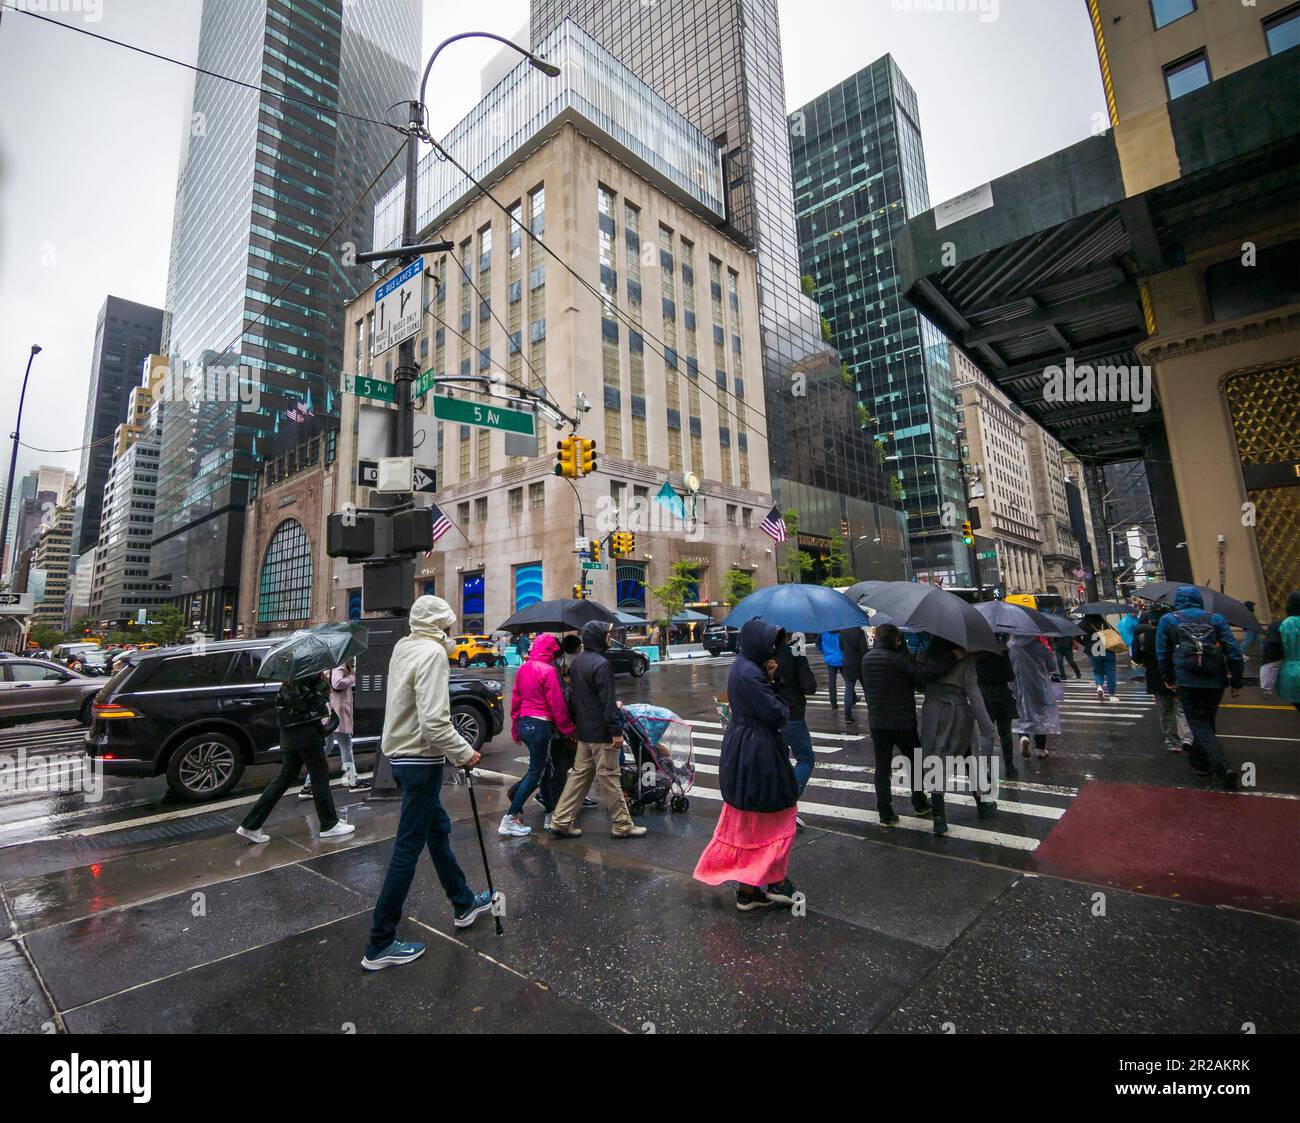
[(600, 739)]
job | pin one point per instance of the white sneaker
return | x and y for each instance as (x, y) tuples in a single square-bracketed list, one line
[(252, 836), (338, 830), (512, 828), (1101, 694), (1024, 745)]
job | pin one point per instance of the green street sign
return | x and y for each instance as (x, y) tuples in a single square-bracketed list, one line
[(987, 555), (365, 387), (423, 384), (593, 565), (485, 416)]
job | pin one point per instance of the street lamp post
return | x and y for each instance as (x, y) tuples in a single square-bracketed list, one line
[(13, 464), (406, 371)]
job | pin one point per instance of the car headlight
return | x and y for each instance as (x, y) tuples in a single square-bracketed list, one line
[(492, 685)]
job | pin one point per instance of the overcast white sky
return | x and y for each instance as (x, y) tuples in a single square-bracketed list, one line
[(90, 138)]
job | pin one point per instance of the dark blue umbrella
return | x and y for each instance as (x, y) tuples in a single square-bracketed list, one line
[(799, 608), (1017, 620)]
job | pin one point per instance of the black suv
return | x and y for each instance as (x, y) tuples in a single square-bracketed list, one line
[(201, 715), (719, 638), (626, 660)]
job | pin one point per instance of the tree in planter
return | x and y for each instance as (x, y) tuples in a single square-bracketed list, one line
[(808, 284), (837, 564), (795, 563), (672, 596), (168, 625), (737, 584)]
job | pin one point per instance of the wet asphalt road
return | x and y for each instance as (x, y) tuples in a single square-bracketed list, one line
[(896, 919)]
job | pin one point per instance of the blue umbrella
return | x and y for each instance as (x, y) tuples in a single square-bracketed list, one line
[(799, 608)]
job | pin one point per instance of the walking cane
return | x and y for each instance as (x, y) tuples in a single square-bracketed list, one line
[(478, 826)]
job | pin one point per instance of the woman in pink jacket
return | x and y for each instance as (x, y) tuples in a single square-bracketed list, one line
[(537, 711)]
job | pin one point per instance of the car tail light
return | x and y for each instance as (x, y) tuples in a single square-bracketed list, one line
[(108, 711)]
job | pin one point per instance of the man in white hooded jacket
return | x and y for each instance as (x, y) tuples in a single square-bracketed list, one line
[(419, 739)]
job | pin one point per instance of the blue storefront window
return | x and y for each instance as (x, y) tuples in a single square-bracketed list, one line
[(471, 596), (528, 584)]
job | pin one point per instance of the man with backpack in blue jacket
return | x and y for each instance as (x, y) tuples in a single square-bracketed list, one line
[(1198, 658)]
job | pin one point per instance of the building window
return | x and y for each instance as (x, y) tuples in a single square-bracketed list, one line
[(731, 514), (462, 513), (528, 584), (480, 509), (1187, 74), (516, 496), (1282, 31), (536, 496), (1164, 12), (746, 517), (471, 601), (284, 590)]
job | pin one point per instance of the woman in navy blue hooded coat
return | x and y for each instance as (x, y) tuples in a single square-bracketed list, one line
[(751, 843)]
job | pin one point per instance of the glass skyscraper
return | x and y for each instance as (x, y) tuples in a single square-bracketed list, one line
[(859, 175), (263, 181), (718, 62)]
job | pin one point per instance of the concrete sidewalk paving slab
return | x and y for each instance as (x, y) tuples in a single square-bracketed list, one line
[(1039, 961), (312, 982), (102, 955), (23, 1006)]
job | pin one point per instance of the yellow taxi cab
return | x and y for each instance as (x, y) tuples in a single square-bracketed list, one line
[(476, 649)]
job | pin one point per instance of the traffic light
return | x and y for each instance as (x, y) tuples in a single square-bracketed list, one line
[(967, 533), (579, 592), (595, 549), (587, 456), (622, 543), (566, 458)]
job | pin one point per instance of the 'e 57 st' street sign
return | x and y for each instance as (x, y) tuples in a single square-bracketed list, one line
[(484, 416)]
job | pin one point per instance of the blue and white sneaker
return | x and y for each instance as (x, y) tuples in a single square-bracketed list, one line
[(397, 953), (463, 918)]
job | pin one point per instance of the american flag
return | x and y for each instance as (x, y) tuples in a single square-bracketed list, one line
[(773, 525), (441, 524)]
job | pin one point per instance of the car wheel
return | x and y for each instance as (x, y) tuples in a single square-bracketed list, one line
[(469, 723), (204, 767), (462, 659), (639, 666)]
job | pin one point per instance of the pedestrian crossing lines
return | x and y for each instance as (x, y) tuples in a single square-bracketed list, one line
[(842, 787), (44, 737)]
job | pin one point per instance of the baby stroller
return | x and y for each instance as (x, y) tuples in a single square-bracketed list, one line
[(662, 767)]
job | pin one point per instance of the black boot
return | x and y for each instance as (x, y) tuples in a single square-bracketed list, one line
[(940, 815)]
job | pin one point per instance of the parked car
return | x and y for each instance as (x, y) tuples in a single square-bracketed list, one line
[(719, 638), (201, 718), (36, 689), (476, 649), (93, 662), (626, 660)]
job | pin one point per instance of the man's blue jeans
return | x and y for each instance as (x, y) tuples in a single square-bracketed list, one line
[(850, 693), (1201, 708), (423, 823), (799, 741), (536, 733), (1103, 670)]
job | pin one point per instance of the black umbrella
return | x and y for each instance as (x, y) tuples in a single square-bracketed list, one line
[(927, 608), (560, 615), (1231, 609), (861, 589), (310, 652), (1018, 620)]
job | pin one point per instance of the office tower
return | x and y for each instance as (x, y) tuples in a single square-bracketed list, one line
[(125, 332), (859, 169), (718, 62), (263, 181), (49, 572), (120, 584)]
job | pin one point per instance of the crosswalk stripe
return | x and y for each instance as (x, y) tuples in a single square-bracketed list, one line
[(906, 822)]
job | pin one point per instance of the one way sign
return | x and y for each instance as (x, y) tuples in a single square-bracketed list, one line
[(425, 479)]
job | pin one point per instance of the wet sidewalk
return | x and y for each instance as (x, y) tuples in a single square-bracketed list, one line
[(211, 935)]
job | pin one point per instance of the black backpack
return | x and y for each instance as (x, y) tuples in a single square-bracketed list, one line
[(1197, 647)]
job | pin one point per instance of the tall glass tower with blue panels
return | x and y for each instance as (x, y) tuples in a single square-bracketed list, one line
[(263, 181), (859, 176)]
